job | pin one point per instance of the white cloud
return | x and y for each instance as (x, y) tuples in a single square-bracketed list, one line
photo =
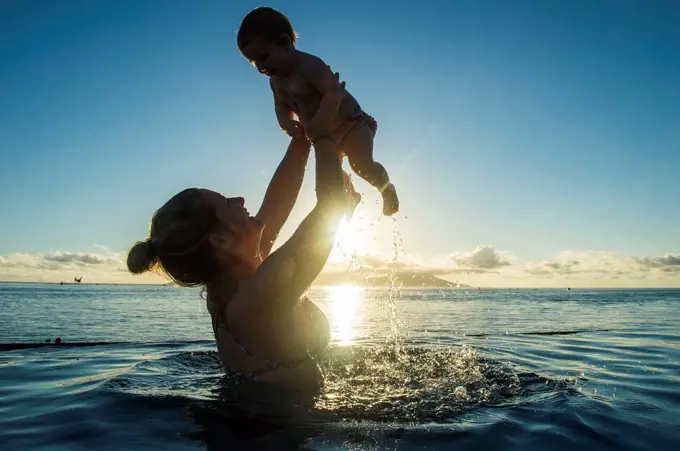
[(669, 263), (481, 258), (64, 266), (405, 263), (606, 265), (551, 267), (80, 258), (101, 247)]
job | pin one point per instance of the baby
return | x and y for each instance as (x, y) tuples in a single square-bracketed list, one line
[(304, 86)]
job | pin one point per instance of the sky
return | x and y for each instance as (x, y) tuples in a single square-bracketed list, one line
[(531, 143)]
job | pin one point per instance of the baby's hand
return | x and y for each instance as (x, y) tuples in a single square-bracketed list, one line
[(293, 129), (337, 77)]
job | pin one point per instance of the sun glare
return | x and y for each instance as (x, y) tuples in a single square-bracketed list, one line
[(346, 300), (352, 239)]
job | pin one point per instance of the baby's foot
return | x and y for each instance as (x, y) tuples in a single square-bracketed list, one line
[(353, 197), (390, 200)]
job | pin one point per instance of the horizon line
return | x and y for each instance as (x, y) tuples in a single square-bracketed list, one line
[(132, 284)]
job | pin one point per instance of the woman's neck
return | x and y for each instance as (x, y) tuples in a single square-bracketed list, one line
[(224, 285)]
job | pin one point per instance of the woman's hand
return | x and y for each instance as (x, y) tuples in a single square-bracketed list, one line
[(313, 129), (293, 128), (300, 143)]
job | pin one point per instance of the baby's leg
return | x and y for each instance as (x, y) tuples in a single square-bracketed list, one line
[(358, 146)]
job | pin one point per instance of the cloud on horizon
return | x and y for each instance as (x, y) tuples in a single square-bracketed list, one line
[(668, 263), (482, 258), (484, 265), (606, 265), (58, 266), (481, 266)]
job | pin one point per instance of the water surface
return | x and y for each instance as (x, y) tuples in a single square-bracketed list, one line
[(488, 369)]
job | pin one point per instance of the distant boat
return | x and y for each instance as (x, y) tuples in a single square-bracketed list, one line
[(78, 279), (568, 289)]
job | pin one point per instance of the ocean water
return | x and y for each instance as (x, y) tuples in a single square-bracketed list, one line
[(430, 370)]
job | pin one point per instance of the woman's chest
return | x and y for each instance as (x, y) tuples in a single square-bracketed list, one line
[(312, 324), (305, 327)]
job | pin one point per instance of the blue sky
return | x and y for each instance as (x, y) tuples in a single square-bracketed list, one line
[(535, 128)]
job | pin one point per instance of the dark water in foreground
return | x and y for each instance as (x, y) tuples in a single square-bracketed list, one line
[(467, 370)]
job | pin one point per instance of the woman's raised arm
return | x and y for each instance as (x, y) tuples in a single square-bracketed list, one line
[(287, 273), (282, 192)]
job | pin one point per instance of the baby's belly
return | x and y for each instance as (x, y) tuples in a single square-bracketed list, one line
[(307, 107)]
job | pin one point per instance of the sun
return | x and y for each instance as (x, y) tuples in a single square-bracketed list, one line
[(352, 239)]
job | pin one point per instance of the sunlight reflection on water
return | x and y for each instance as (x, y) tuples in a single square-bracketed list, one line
[(345, 300)]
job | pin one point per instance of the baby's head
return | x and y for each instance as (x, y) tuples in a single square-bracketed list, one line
[(267, 39)]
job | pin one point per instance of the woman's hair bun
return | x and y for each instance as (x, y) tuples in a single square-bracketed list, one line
[(142, 257)]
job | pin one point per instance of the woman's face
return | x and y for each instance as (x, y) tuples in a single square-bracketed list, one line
[(241, 232)]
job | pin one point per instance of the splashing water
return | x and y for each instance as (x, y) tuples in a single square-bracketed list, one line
[(365, 383), (412, 384), (393, 294), (389, 305)]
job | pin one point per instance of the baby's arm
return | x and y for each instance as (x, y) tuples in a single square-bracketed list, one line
[(319, 74), (284, 115)]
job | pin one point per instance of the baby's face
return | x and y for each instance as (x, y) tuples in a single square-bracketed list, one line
[(270, 59)]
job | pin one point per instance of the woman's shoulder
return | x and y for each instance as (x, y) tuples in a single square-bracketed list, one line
[(269, 286), (248, 305)]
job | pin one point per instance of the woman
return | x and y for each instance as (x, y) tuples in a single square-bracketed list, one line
[(265, 330)]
